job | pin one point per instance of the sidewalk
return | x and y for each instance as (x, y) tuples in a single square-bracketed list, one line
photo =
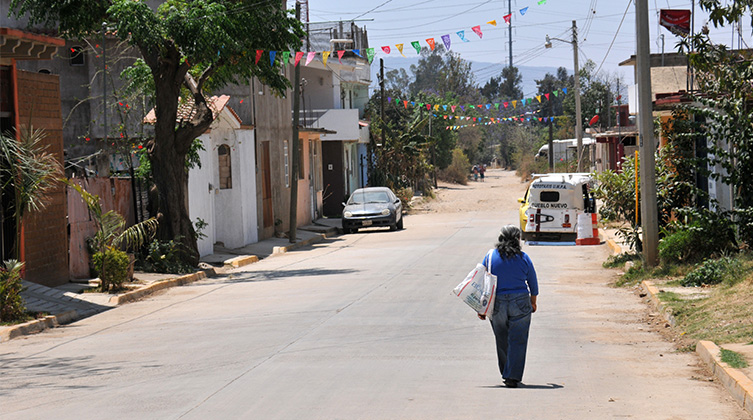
[(68, 303), (738, 382)]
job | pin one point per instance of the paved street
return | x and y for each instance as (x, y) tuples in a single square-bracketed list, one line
[(364, 326)]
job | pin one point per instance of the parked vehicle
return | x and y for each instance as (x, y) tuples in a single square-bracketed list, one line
[(550, 208), (372, 207)]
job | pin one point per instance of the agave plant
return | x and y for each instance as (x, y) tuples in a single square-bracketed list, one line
[(112, 234), (29, 171)]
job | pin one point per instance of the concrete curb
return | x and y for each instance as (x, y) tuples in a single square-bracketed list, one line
[(738, 385), (38, 325), (240, 261), (283, 249), (653, 295), (164, 284)]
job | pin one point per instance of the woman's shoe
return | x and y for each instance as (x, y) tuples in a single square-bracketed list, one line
[(511, 383)]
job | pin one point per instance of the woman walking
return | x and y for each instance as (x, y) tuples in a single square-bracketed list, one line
[(515, 300)]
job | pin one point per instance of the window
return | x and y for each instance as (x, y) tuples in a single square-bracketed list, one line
[(286, 162), (226, 170), (549, 196), (77, 56)]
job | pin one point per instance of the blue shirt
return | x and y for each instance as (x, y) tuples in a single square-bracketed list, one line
[(514, 275)]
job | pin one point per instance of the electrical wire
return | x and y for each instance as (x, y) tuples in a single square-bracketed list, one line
[(615, 36)]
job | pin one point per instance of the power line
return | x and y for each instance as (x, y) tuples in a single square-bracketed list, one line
[(615, 36)]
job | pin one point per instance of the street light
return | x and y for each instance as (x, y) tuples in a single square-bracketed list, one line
[(578, 122)]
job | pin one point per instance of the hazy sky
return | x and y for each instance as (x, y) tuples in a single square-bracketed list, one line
[(404, 21)]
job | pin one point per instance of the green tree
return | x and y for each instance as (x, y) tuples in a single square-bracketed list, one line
[(511, 83), (726, 104), (188, 47)]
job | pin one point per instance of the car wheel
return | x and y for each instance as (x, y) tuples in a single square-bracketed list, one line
[(393, 226), (400, 223)]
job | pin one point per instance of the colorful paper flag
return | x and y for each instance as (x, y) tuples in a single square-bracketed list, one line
[(400, 48), (538, 98), (452, 107), (477, 30), (447, 41), (556, 93), (514, 104), (386, 49), (285, 57), (506, 104), (417, 46), (523, 11), (357, 52), (325, 56), (564, 90), (389, 99), (370, 54), (272, 55), (258, 56), (405, 103), (461, 34), (547, 96), (298, 56), (340, 55), (430, 41), (507, 18), (492, 22), (310, 56), (542, 2)]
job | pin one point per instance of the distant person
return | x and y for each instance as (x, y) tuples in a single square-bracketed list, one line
[(475, 172), (515, 301), (481, 170)]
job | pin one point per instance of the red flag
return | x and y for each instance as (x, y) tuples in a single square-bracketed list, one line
[(506, 104), (507, 18), (405, 103), (677, 21), (340, 55), (547, 96), (258, 56), (594, 120), (477, 30), (386, 49), (428, 107)]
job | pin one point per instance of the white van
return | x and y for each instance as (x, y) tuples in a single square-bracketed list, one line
[(550, 208)]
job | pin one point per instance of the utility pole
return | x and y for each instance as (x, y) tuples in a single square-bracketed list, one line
[(294, 146), (578, 117), (649, 211), (509, 27), (551, 141)]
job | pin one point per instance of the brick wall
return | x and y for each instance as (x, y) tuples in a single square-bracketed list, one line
[(45, 232)]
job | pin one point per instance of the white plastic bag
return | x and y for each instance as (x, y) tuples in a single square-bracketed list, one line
[(478, 288)]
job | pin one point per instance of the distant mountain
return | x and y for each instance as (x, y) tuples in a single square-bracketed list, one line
[(483, 71)]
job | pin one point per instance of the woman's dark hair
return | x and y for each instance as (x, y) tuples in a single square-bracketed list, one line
[(509, 241)]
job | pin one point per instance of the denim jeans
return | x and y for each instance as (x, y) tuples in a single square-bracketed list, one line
[(510, 321)]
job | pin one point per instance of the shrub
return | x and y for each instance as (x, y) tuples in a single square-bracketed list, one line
[(405, 195), (708, 235), (12, 306), (112, 266), (457, 172), (712, 272), (165, 257)]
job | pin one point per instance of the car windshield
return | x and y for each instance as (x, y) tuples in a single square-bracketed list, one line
[(362, 197)]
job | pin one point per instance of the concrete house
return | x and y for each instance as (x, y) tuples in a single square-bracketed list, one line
[(222, 192), (334, 98)]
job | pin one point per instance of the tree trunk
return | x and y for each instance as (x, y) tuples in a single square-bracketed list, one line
[(172, 142)]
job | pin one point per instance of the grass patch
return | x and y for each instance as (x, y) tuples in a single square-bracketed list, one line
[(726, 316), (669, 297), (619, 260), (734, 359), (28, 316), (638, 273)]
